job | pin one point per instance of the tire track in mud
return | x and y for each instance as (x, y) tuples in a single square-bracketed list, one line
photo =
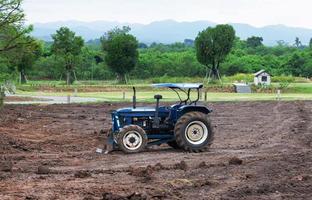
[(282, 125), (291, 124), (304, 126), (286, 174)]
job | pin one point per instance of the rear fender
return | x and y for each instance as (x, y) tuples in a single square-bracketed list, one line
[(188, 108)]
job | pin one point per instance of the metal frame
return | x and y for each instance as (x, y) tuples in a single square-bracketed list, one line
[(188, 94)]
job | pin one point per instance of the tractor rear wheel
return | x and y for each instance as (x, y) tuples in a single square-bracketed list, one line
[(193, 132), (132, 139)]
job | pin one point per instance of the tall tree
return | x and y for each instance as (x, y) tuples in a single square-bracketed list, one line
[(254, 41), (310, 44), (121, 51), (68, 46), (12, 27), (213, 45)]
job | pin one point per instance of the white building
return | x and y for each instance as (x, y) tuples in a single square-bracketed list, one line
[(262, 78)]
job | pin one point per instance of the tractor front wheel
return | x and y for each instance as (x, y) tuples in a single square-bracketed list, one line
[(193, 132), (132, 139)]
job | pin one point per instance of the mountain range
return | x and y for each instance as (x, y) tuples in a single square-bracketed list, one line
[(170, 31)]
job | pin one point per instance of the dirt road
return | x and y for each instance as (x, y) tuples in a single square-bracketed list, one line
[(21, 99), (262, 150)]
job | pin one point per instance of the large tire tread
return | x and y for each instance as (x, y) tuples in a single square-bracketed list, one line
[(179, 131)]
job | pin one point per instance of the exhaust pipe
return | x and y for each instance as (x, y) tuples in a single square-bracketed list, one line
[(156, 118), (134, 98)]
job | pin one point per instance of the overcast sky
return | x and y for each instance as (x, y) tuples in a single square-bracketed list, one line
[(296, 13)]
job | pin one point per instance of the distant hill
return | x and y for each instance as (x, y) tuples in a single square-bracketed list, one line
[(170, 31)]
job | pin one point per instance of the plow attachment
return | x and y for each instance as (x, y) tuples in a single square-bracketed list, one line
[(109, 144)]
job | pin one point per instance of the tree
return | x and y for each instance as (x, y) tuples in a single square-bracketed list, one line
[(213, 45), (298, 43), (12, 27), (281, 43), (67, 46), (25, 57), (254, 41), (295, 64), (310, 44), (121, 51)]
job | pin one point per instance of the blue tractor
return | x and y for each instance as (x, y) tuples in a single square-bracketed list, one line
[(184, 125)]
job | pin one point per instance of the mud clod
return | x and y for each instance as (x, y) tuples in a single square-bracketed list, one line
[(133, 196), (82, 174), (202, 165), (6, 166), (137, 196), (158, 167), (181, 165), (88, 198), (146, 172), (235, 161), (111, 196), (82, 117), (201, 183), (42, 169), (31, 198)]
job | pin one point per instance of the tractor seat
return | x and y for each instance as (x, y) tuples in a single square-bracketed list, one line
[(158, 96)]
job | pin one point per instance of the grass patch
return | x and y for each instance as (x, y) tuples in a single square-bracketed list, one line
[(148, 96)]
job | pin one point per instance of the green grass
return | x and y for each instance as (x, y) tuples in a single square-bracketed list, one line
[(145, 96), (114, 92), (300, 88)]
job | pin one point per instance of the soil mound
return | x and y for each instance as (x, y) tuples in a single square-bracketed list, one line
[(235, 161)]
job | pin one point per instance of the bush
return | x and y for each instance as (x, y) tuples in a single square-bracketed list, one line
[(280, 79), (238, 78), (168, 79), (301, 80), (283, 85)]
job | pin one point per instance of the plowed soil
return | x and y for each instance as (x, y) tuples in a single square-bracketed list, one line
[(262, 150)]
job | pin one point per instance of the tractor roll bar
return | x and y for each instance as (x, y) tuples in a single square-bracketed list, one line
[(188, 94), (196, 100), (183, 87)]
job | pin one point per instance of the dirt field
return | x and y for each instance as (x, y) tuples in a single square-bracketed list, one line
[(262, 150)]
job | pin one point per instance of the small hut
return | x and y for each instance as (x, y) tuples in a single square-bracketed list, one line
[(262, 78)]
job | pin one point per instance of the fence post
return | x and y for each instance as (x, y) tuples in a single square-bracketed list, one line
[(278, 97), (68, 99), (75, 92), (124, 95), (205, 95)]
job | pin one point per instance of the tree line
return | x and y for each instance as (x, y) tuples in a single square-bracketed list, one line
[(216, 51)]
